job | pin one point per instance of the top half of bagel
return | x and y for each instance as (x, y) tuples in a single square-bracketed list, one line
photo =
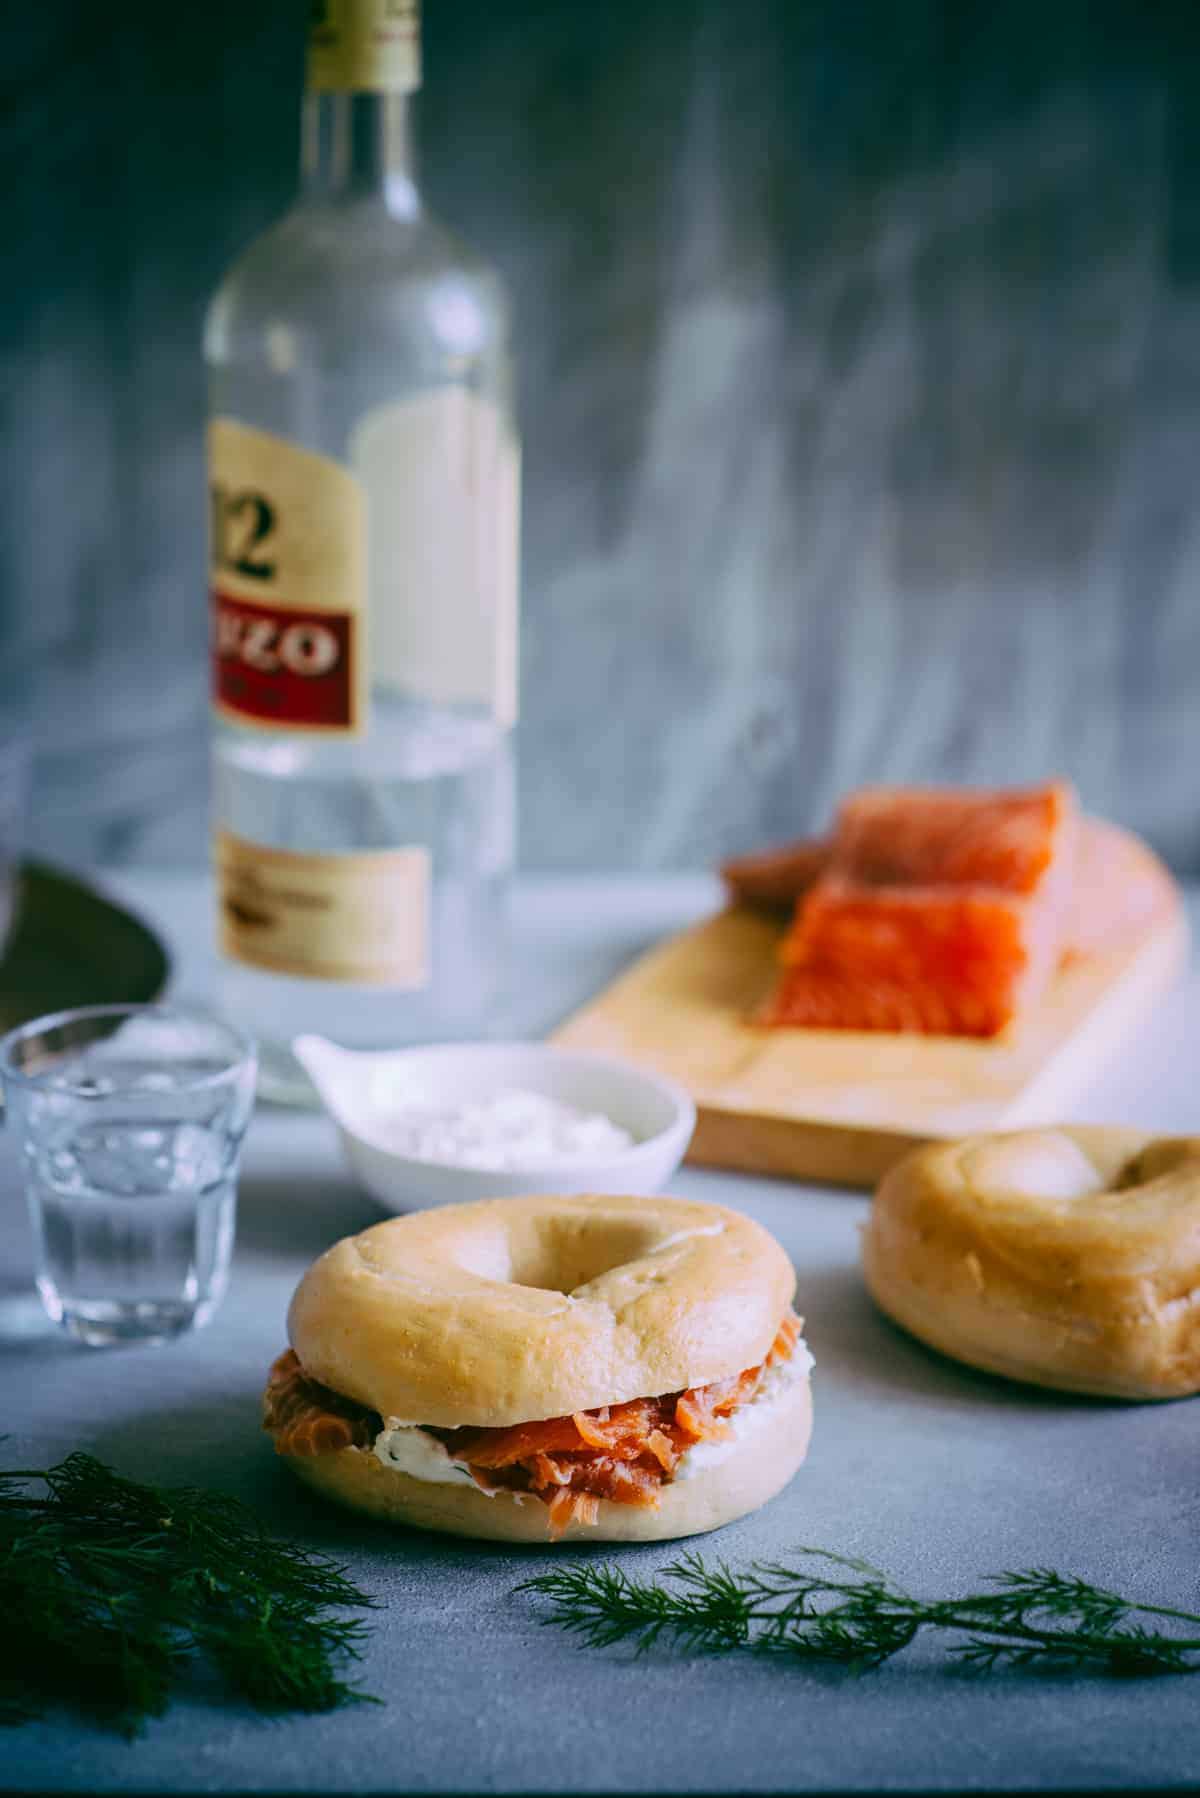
[(1067, 1257), (511, 1310), (1057, 1207)]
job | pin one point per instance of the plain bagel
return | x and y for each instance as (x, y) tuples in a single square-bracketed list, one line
[(1066, 1257), (513, 1312)]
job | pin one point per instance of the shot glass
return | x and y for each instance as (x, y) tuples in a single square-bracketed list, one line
[(130, 1120)]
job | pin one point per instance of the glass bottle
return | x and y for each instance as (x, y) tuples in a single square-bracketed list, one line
[(364, 503)]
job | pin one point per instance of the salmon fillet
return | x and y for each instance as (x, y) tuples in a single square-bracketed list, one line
[(624, 1453), (890, 835), (1120, 888), (934, 966), (940, 912), (928, 837)]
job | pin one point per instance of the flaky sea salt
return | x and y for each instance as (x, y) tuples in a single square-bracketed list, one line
[(512, 1129)]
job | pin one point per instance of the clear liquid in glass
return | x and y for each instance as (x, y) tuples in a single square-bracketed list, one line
[(130, 1178)]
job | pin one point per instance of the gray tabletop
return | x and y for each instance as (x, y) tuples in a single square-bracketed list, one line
[(936, 1474)]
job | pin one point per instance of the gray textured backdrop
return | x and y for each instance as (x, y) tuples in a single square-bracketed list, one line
[(860, 386)]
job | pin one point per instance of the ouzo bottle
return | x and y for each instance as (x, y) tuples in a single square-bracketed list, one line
[(363, 470)]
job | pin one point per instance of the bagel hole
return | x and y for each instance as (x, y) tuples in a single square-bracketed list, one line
[(1033, 1164), (558, 1254), (1151, 1163), (575, 1251), (486, 1254)]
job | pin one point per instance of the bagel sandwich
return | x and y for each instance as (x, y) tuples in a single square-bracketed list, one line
[(587, 1368)]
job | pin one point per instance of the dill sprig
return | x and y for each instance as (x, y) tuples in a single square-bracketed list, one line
[(833, 1608), (109, 1587)]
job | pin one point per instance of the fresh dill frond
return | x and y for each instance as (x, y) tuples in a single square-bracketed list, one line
[(109, 1587), (827, 1607)]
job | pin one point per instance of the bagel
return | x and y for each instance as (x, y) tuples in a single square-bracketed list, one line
[(593, 1368), (1064, 1257)]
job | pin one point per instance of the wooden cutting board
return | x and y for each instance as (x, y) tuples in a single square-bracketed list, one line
[(841, 1106)]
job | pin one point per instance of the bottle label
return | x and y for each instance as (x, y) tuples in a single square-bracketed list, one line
[(360, 918), (288, 584), (364, 46), (442, 474)]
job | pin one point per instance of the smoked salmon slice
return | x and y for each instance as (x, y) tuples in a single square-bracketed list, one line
[(940, 912), (305, 1418), (623, 1453)]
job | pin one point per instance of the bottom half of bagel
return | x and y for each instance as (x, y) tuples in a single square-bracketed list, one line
[(646, 1470)]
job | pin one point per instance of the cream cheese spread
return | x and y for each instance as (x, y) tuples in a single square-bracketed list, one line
[(756, 1414), (407, 1448)]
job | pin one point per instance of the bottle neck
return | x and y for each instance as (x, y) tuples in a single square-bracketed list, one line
[(359, 145)]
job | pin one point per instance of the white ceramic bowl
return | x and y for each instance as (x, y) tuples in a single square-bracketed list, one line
[(354, 1085)]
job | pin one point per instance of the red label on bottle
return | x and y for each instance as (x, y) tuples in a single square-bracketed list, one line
[(280, 665)]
